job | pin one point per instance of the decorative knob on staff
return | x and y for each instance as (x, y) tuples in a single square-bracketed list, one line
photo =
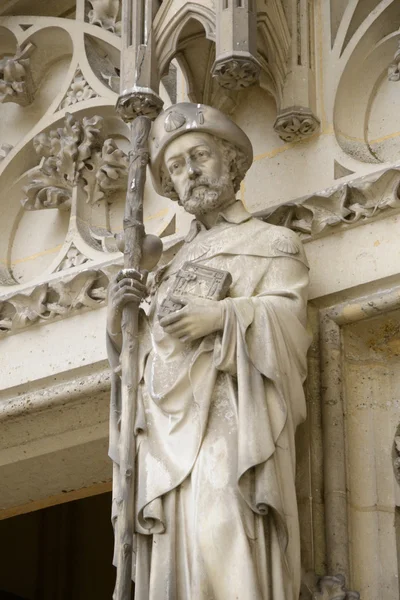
[(138, 103)]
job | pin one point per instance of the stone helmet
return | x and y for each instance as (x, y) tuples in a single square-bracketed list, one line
[(185, 117)]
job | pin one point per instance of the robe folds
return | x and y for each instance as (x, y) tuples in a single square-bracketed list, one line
[(216, 514)]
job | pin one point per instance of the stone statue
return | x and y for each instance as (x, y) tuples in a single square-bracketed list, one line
[(220, 380)]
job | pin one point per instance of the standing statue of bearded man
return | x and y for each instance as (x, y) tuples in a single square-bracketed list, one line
[(221, 381)]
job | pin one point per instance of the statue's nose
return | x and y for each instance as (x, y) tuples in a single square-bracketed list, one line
[(193, 170)]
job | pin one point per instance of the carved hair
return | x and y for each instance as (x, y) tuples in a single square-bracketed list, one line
[(233, 157)]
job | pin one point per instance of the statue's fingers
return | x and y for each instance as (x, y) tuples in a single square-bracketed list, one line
[(132, 284), (129, 274), (172, 318), (185, 338), (180, 299), (128, 296), (129, 291), (176, 328), (178, 334)]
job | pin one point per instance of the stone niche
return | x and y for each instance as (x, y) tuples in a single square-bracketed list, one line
[(349, 447), (371, 405)]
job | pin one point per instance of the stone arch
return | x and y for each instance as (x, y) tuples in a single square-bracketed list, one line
[(362, 65), (169, 30)]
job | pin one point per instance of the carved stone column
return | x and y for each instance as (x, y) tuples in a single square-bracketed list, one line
[(139, 75), (236, 65), (296, 118)]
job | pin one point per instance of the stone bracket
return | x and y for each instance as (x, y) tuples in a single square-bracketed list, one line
[(296, 123)]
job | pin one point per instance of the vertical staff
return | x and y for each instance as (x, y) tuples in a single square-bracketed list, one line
[(139, 103)]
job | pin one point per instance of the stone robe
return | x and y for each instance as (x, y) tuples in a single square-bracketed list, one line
[(216, 513)]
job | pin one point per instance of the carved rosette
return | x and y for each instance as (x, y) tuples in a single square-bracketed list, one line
[(16, 83), (139, 103), (236, 73), (78, 91), (295, 124)]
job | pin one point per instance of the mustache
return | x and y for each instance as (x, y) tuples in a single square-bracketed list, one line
[(200, 182)]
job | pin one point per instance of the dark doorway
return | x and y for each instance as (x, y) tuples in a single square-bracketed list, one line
[(59, 553)]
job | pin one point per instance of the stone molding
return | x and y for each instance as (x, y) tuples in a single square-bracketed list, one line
[(295, 124), (59, 297), (64, 413), (331, 320), (344, 205), (47, 395)]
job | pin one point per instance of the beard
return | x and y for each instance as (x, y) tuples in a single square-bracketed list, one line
[(205, 195)]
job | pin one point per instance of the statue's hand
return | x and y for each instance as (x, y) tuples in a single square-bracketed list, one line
[(128, 286), (195, 320)]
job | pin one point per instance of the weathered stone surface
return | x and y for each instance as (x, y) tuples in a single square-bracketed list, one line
[(337, 188)]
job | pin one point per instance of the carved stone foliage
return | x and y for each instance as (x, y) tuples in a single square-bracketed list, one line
[(73, 258), (334, 588), (394, 67), (16, 83), (78, 91), (75, 153), (347, 204), (105, 14), (295, 124), (131, 105), (236, 73), (86, 289)]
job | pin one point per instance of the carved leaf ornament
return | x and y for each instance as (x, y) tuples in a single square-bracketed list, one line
[(78, 91), (86, 289), (104, 14), (16, 83), (76, 152), (347, 204), (294, 125), (236, 73)]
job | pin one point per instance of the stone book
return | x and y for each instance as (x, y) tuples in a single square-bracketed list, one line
[(196, 280)]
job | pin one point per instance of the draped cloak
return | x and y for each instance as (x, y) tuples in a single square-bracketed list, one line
[(216, 514)]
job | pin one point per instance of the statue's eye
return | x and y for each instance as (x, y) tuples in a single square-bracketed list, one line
[(174, 166)]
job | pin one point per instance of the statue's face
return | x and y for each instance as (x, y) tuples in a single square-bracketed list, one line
[(199, 173)]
